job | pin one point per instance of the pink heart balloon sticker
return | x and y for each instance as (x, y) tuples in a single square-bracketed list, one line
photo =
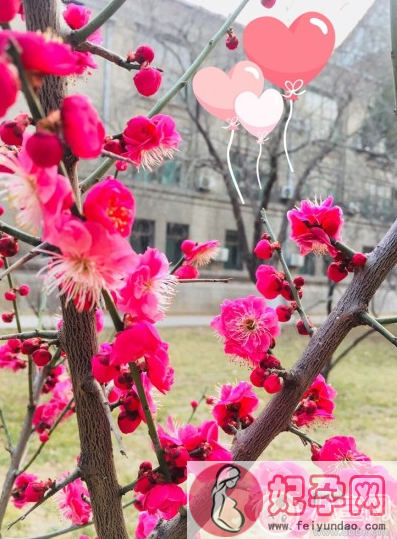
[(216, 90), (259, 115), (290, 56)]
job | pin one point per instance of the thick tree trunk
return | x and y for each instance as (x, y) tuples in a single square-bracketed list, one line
[(79, 340)]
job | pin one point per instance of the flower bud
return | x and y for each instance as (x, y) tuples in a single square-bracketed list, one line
[(41, 357), (147, 81), (30, 345), (8, 317), (8, 246), (337, 272), (45, 149)]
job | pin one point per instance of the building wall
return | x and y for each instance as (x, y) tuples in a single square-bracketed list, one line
[(197, 197)]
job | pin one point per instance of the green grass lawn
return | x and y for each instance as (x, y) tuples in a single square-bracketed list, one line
[(366, 409)]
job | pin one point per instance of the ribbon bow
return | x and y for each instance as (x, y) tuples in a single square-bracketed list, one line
[(262, 137), (232, 124), (293, 89)]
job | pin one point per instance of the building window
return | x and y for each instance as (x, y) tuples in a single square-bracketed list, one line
[(309, 265), (142, 235), (176, 234), (233, 244)]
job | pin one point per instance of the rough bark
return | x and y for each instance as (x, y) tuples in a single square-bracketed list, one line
[(78, 339), (274, 419), (96, 459)]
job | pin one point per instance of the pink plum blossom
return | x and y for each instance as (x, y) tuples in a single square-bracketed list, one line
[(146, 524), (43, 54), (314, 225), (112, 205), (148, 290), (28, 488), (38, 194), (47, 413), (72, 502), (338, 448), (8, 9), (164, 499), (199, 254), (141, 341), (317, 404), (234, 406), (10, 358), (91, 260), (84, 132), (248, 327), (10, 85), (148, 141)]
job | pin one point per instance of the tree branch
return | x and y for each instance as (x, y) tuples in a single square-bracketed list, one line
[(30, 335), (110, 56), (69, 529), (367, 318), (393, 31), (39, 449), (53, 490), (23, 236), (309, 328), (78, 36)]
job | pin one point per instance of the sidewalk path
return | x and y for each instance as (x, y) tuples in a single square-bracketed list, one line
[(171, 321)]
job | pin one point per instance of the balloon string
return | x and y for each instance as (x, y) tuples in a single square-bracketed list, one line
[(257, 165), (291, 108), (230, 167)]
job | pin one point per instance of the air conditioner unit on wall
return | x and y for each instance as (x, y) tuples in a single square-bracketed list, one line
[(222, 255), (203, 184), (286, 193), (296, 260)]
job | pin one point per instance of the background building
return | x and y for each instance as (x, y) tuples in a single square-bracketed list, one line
[(340, 139)]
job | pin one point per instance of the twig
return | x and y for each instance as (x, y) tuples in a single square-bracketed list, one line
[(3, 425), (387, 320), (367, 318), (178, 86), (39, 449), (203, 396), (14, 302), (299, 308), (393, 31), (56, 488), (96, 175), (23, 236), (115, 157), (150, 422), (184, 281), (178, 264), (78, 36), (347, 350), (288, 376), (115, 405), (18, 264), (113, 426), (343, 248), (132, 485), (110, 56), (30, 335), (69, 529), (114, 315), (41, 248), (31, 98), (304, 437)]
